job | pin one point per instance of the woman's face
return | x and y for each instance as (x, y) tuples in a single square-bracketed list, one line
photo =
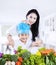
[(31, 18)]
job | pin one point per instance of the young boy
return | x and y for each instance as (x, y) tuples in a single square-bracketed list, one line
[(23, 30)]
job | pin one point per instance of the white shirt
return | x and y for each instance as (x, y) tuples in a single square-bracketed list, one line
[(24, 46)]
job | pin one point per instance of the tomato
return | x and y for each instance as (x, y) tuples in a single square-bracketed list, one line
[(18, 63), (20, 59)]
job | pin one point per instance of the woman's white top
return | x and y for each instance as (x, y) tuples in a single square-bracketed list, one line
[(13, 31)]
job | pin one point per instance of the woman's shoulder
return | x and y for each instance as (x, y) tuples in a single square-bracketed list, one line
[(23, 20)]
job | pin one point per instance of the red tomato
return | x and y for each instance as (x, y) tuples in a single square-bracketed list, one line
[(20, 59), (18, 63)]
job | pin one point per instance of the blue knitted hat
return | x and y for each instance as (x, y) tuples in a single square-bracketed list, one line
[(23, 28)]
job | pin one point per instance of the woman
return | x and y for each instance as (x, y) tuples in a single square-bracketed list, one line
[(32, 18)]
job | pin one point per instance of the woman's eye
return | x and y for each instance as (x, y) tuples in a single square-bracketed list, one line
[(34, 18), (30, 16)]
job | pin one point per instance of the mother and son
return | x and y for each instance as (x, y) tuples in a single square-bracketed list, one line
[(27, 32)]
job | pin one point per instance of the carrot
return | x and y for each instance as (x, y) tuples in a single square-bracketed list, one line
[(55, 54), (47, 51), (51, 50)]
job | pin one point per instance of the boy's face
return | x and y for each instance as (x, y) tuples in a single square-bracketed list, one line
[(23, 37)]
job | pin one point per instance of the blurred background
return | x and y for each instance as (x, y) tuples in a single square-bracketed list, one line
[(12, 11)]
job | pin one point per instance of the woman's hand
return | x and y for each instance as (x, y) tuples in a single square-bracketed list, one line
[(37, 43)]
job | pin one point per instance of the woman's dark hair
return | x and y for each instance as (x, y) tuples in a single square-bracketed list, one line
[(35, 26)]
